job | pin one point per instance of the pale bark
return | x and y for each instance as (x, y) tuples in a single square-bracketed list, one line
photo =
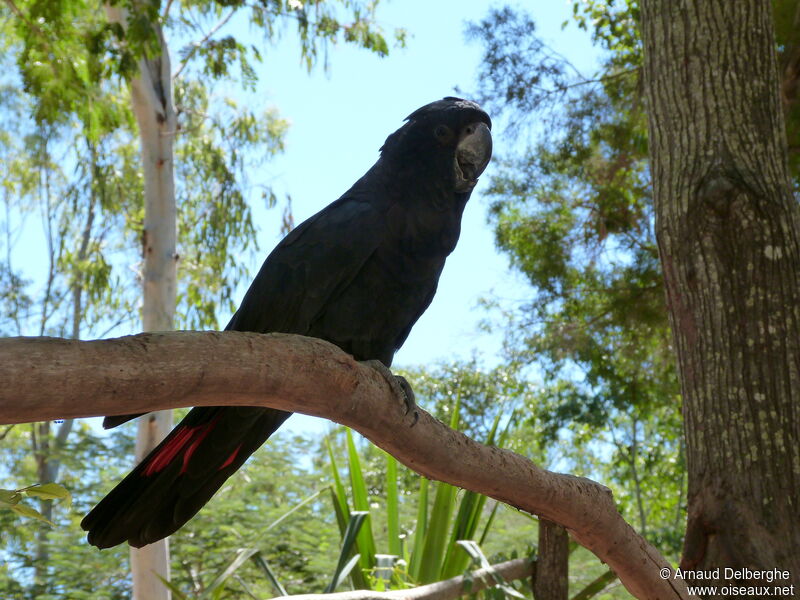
[(153, 106), (728, 229), (47, 378)]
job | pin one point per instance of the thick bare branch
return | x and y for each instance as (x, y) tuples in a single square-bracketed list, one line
[(49, 378), (441, 590)]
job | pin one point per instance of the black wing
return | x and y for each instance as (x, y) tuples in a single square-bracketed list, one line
[(312, 265)]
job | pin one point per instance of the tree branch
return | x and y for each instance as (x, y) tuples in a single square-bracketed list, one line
[(441, 590), (51, 378)]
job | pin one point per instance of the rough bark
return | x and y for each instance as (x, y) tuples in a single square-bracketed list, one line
[(154, 109), (552, 563), (728, 227), (48, 378)]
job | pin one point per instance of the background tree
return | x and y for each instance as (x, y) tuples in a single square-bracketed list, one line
[(728, 228)]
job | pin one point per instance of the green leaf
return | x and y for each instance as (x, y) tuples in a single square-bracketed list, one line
[(295, 508), (366, 541), (488, 524), (479, 559), (345, 566), (48, 491), (464, 527), (258, 558), (436, 536), (9, 498), (338, 494), (490, 439), (469, 514), (345, 570), (392, 506), (173, 587), (27, 511), (242, 555), (420, 531), (359, 488)]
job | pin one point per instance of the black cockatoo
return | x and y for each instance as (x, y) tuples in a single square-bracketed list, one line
[(358, 274)]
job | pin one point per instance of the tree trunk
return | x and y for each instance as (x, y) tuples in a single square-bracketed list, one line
[(728, 227), (552, 563), (151, 93), (151, 96)]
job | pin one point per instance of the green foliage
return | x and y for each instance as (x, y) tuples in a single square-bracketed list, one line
[(480, 394), (437, 550), (269, 525), (467, 520), (11, 499), (435, 536), (318, 23), (436, 545), (217, 588), (74, 66), (273, 505), (393, 508), (361, 504), (350, 536), (480, 560), (63, 573), (216, 224), (267, 518)]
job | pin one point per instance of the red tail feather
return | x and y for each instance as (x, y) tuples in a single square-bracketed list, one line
[(231, 458), (182, 435), (202, 432)]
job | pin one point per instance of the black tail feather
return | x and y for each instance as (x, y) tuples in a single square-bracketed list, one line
[(177, 478), (116, 420)]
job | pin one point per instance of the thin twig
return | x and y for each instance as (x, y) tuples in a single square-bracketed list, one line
[(6, 432), (166, 11), (197, 45), (597, 79)]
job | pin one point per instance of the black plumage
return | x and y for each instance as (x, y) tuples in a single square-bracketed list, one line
[(359, 274)]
